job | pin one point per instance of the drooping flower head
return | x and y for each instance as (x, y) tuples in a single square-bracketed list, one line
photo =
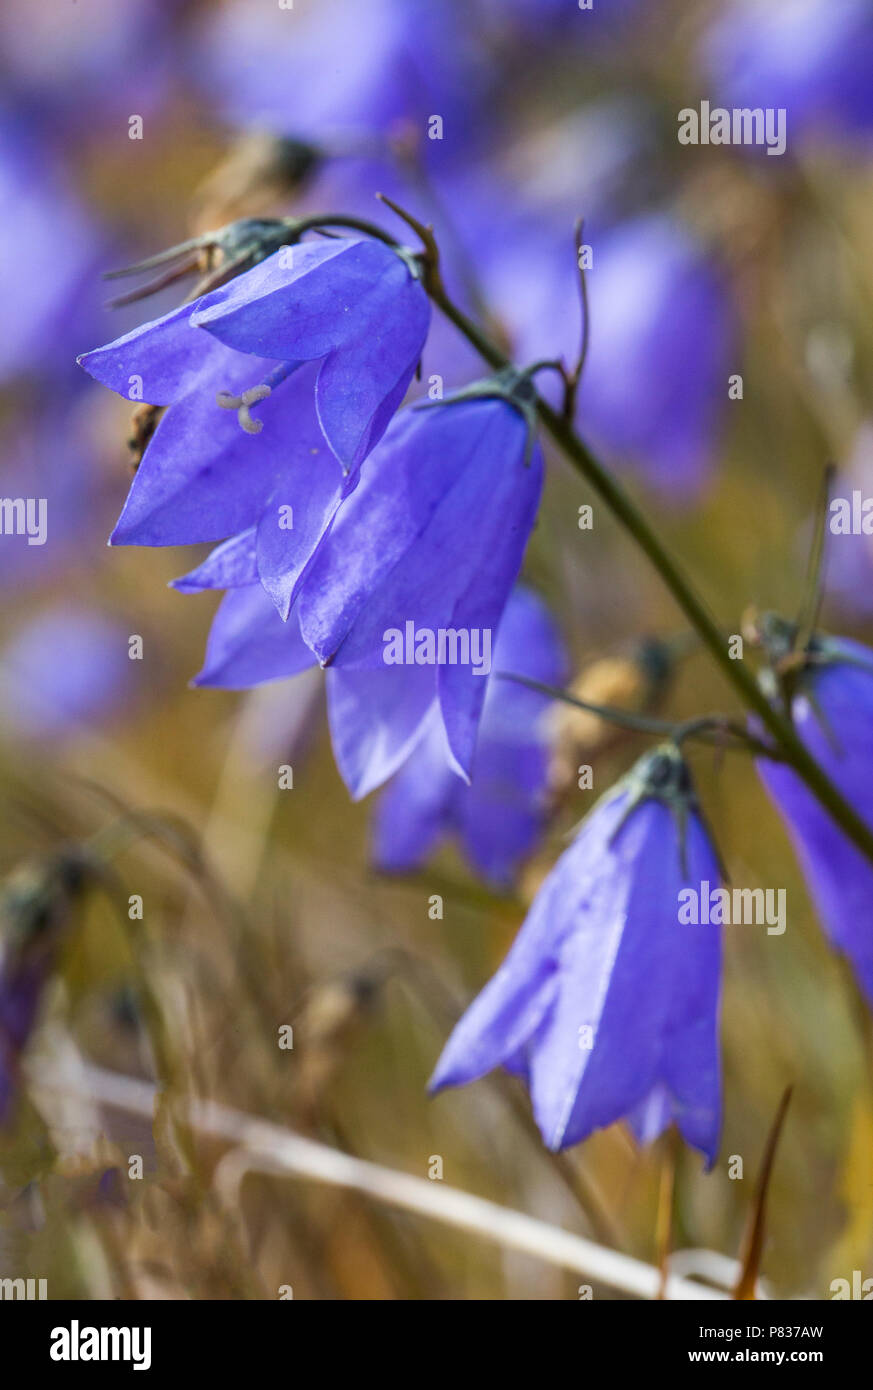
[(607, 1004), (831, 702), (406, 592), (498, 816), (278, 385)]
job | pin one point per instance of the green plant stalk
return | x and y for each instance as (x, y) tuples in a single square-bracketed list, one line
[(632, 519), (629, 516)]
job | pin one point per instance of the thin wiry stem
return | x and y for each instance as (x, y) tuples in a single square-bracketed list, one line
[(575, 376), (709, 728), (626, 512)]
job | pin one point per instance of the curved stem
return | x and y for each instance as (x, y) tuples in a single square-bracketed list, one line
[(634, 522), (352, 224), (625, 510), (709, 728)]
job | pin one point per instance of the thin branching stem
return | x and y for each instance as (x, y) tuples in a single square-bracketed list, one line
[(626, 512), (708, 728)]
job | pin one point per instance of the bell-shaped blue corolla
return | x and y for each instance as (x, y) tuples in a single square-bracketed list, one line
[(345, 322), (832, 709), (811, 58), (498, 817), (607, 1003), (405, 595), (353, 304)]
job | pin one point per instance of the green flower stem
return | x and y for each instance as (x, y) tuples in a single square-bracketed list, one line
[(635, 523)]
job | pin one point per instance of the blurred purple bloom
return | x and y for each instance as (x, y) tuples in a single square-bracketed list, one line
[(657, 374), (849, 552), (21, 987), (498, 817), (66, 668), (833, 714), (82, 64), (811, 57), (48, 255), (656, 377), (562, 18), (48, 456), (606, 1006), (335, 69)]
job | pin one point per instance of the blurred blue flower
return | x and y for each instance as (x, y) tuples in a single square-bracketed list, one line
[(49, 248), (499, 816), (48, 455), (849, 551), (661, 330), (67, 668), (335, 70), (21, 986), (606, 1005), (832, 711), (81, 66), (564, 19), (656, 378), (811, 57)]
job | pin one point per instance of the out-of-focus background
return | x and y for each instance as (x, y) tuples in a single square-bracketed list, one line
[(125, 129)]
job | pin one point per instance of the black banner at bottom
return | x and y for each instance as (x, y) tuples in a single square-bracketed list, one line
[(83, 1339)]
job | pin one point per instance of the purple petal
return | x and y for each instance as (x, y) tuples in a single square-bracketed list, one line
[(249, 644), (159, 362), (376, 719), (229, 566)]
